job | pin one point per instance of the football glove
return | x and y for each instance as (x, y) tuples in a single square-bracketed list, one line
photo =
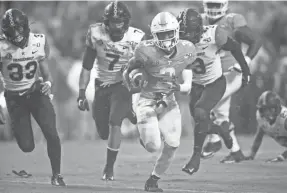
[(83, 103)]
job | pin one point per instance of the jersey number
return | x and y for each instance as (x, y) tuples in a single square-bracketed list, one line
[(198, 67), (114, 61), (17, 71)]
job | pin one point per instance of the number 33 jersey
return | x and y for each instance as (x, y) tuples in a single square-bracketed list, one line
[(207, 66), (20, 67), (112, 56)]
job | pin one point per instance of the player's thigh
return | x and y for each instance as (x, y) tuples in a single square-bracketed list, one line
[(170, 126), (43, 112), (121, 104), (20, 120), (101, 108), (148, 125), (233, 83), (212, 94), (195, 95)]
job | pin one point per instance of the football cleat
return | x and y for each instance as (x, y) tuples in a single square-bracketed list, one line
[(57, 180), (22, 173), (193, 165), (151, 184), (233, 157), (279, 158), (210, 149), (108, 174)]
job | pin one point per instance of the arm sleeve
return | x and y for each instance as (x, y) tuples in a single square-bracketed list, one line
[(235, 49), (90, 52), (46, 48)]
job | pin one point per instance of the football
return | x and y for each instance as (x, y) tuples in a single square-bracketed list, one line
[(136, 76)]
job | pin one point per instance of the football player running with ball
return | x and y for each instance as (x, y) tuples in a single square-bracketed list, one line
[(112, 43), (23, 57), (161, 61), (215, 13), (271, 118), (209, 83)]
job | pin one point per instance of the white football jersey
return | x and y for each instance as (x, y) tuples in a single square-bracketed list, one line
[(112, 56), (20, 67), (276, 130), (208, 64)]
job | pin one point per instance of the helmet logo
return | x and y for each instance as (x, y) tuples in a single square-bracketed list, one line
[(115, 8), (184, 17), (12, 23)]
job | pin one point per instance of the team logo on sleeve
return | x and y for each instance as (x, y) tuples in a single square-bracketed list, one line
[(8, 56)]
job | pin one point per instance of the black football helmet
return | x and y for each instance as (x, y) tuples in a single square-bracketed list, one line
[(117, 20), (269, 106), (191, 25), (15, 27)]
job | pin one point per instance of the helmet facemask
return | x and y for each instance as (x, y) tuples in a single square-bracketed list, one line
[(166, 40), (117, 27), (117, 20), (215, 9), (270, 113)]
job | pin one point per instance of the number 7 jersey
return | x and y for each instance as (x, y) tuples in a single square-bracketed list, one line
[(20, 67), (112, 56)]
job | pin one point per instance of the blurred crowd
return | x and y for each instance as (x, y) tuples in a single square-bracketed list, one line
[(66, 23)]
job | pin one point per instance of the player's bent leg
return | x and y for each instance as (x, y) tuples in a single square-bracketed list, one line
[(20, 121), (148, 127), (221, 111), (101, 111), (210, 96), (43, 111), (120, 105), (170, 127)]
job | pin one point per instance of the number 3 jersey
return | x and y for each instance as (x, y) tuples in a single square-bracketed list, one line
[(20, 67), (112, 56), (277, 130), (207, 65), (163, 70)]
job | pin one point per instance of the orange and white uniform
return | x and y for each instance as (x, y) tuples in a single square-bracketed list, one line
[(162, 72)]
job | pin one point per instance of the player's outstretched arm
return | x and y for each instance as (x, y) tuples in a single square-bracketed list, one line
[(224, 42), (45, 72), (256, 143)]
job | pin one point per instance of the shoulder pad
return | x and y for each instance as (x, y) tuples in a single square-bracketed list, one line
[(135, 34), (97, 30), (236, 20)]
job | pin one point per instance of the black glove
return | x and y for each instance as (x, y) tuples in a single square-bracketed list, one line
[(83, 103), (246, 78)]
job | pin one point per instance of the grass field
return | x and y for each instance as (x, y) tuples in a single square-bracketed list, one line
[(83, 163)]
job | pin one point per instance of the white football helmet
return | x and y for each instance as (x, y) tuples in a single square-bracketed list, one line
[(165, 30), (215, 9)]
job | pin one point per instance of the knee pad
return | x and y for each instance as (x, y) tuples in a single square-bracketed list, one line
[(152, 147)]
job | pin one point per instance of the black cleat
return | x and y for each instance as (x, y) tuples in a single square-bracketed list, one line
[(210, 149), (57, 180), (108, 174), (233, 157), (151, 184), (193, 165)]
